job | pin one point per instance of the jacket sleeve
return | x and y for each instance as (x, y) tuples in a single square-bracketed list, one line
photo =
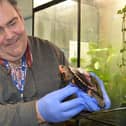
[(20, 114)]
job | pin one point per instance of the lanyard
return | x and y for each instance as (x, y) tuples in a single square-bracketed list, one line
[(18, 74)]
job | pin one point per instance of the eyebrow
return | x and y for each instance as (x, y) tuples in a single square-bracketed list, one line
[(14, 18)]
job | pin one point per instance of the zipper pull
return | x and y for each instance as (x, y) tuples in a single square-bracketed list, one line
[(22, 97)]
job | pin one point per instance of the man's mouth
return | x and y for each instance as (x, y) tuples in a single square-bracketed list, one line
[(12, 42)]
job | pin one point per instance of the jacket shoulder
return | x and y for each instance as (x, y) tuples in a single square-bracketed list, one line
[(42, 44)]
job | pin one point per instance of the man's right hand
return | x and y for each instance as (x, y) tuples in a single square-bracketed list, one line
[(53, 108)]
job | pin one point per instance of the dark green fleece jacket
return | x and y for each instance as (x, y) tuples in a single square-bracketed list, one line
[(42, 78)]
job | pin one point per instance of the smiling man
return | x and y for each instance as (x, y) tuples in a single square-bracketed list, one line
[(13, 38), (29, 81)]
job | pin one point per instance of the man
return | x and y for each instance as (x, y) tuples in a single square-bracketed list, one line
[(29, 81)]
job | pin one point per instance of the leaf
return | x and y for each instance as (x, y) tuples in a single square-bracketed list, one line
[(124, 9), (119, 12)]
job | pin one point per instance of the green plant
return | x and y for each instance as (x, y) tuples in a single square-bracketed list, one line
[(104, 64), (122, 11), (101, 59), (73, 61)]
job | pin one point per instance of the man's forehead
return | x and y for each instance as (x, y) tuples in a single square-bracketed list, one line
[(7, 12)]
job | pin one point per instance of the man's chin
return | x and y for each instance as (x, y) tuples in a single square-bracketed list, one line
[(17, 54), (14, 58)]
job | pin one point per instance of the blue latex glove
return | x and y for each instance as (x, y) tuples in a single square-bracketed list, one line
[(53, 109), (105, 95), (90, 103)]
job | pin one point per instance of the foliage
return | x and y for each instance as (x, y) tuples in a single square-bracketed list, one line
[(73, 61), (100, 61), (121, 11), (104, 64)]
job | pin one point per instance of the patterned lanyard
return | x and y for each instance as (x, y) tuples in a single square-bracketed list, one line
[(18, 74)]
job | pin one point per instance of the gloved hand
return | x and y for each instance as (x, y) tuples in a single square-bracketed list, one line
[(105, 95), (53, 108), (90, 103)]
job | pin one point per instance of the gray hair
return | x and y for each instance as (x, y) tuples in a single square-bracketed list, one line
[(12, 2)]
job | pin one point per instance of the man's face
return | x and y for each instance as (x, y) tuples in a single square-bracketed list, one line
[(13, 38)]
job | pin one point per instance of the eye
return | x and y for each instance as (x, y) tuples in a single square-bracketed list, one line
[(12, 23)]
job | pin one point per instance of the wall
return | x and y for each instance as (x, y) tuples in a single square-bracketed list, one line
[(26, 10)]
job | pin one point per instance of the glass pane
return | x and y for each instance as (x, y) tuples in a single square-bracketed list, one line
[(58, 24), (89, 30), (40, 2), (103, 44)]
